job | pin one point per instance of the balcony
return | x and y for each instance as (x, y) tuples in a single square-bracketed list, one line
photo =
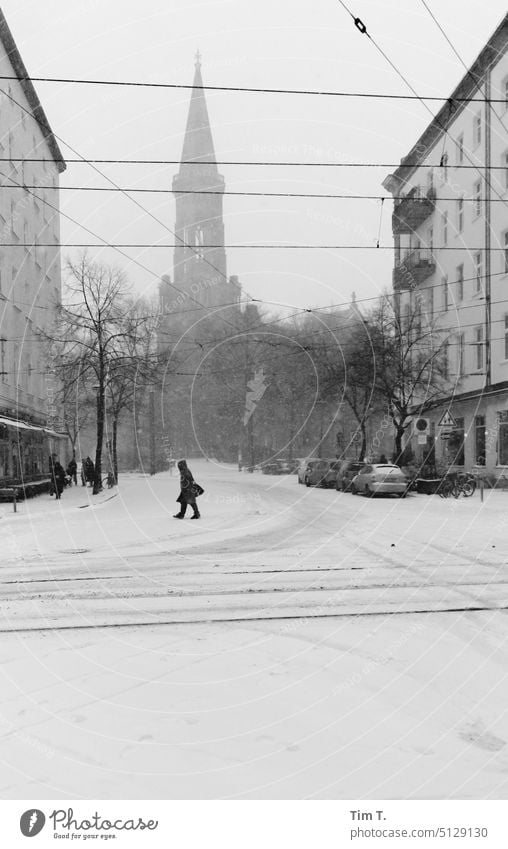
[(412, 210), (414, 268)]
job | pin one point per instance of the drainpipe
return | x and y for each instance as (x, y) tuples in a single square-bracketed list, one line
[(488, 308)]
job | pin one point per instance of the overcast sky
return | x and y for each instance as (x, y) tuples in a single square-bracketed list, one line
[(310, 45)]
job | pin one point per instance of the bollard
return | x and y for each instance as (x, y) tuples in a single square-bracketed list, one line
[(14, 493), (481, 489)]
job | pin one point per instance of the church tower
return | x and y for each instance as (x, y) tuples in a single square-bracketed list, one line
[(200, 271)]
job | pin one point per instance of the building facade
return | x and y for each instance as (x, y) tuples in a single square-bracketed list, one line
[(450, 228), (30, 274)]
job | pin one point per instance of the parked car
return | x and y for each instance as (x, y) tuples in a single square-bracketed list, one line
[(317, 471), (283, 467), (270, 469), (330, 478), (347, 471), (302, 468), (380, 478)]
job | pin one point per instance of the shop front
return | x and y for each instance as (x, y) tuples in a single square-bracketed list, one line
[(25, 449), (470, 434)]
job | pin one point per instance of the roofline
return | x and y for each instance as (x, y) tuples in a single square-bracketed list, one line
[(21, 72), (472, 80)]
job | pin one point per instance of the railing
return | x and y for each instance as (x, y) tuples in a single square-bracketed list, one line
[(412, 210)]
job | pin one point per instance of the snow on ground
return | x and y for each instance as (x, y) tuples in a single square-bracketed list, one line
[(293, 643)]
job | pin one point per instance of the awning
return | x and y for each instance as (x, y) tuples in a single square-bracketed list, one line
[(18, 425)]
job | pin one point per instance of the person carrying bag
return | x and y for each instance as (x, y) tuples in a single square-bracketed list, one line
[(189, 491)]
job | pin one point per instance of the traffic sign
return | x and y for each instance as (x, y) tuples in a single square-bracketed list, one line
[(447, 420)]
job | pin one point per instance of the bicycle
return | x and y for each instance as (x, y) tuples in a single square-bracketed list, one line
[(446, 487), (108, 481), (464, 484)]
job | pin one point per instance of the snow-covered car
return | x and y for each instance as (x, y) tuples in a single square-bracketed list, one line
[(302, 468), (283, 467), (347, 471), (379, 479), (330, 477), (270, 469), (317, 471)]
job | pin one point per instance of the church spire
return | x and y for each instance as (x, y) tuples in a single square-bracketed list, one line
[(198, 142)]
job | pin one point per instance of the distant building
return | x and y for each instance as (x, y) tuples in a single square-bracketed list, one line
[(451, 259), (200, 284), (30, 275)]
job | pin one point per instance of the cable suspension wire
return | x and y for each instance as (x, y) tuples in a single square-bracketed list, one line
[(290, 163), (308, 195), (248, 89), (264, 246)]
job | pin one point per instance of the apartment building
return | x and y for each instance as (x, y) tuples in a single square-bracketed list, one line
[(450, 227), (30, 274)]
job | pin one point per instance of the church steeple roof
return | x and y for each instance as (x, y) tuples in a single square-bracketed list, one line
[(198, 142)]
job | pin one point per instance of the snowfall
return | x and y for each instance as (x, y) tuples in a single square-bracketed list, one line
[(293, 643)]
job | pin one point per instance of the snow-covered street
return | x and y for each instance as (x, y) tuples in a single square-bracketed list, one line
[(278, 648)]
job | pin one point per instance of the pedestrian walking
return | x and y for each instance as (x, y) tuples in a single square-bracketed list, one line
[(189, 491), (58, 478)]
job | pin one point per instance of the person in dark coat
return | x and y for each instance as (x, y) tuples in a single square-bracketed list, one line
[(72, 471), (187, 491), (58, 478), (89, 470)]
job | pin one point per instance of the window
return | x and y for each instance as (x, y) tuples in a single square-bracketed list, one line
[(444, 167), (478, 270), (506, 337), (431, 242), (505, 252), (445, 228), (430, 181), (460, 282), (455, 444), (431, 302), (477, 198), (3, 362), (460, 355), (460, 149), (199, 242), (446, 360), (478, 343), (477, 129), (505, 164), (502, 438), (460, 215), (445, 293)]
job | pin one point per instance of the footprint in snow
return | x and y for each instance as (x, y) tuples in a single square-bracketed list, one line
[(477, 733)]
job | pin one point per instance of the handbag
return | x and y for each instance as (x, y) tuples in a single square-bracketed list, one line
[(196, 489)]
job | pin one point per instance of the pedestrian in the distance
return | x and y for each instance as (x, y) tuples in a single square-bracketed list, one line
[(58, 478), (189, 491), (89, 471), (72, 471), (383, 460)]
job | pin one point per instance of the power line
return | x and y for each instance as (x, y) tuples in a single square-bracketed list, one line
[(308, 195), (251, 89), (289, 163), (263, 246)]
